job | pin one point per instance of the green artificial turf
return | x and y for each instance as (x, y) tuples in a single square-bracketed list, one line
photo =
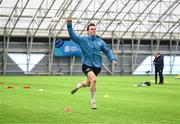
[(118, 101)]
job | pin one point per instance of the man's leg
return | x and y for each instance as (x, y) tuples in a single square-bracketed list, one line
[(160, 77), (155, 77), (84, 83), (92, 79)]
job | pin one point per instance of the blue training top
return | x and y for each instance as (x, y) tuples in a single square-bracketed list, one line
[(91, 47)]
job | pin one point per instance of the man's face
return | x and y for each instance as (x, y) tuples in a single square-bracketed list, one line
[(157, 55), (92, 30)]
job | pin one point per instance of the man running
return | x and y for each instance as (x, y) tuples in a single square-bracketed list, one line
[(91, 47)]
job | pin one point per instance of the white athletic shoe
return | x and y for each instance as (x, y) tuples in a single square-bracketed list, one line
[(78, 85), (76, 89), (93, 105)]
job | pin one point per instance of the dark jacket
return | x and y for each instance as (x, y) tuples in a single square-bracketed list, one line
[(159, 62)]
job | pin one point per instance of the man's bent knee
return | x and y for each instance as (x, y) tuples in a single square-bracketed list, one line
[(93, 81), (92, 77)]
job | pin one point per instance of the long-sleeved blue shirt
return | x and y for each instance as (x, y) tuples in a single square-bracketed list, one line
[(91, 47)]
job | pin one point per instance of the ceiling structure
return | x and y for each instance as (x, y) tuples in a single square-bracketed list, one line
[(140, 19)]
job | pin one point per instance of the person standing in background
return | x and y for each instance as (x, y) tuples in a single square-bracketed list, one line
[(159, 65)]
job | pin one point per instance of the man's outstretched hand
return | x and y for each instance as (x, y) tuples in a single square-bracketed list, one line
[(114, 62), (69, 19)]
